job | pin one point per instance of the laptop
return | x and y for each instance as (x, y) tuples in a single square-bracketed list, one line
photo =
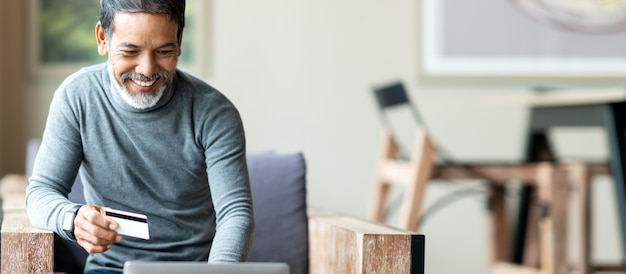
[(144, 267)]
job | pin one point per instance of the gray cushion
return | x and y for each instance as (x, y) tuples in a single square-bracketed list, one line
[(76, 194), (278, 184)]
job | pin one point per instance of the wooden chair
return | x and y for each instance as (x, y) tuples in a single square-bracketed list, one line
[(547, 232), (414, 175)]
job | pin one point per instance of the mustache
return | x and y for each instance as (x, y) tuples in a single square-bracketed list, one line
[(140, 77)]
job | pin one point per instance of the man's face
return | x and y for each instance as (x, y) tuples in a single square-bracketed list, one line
[(143, 51)]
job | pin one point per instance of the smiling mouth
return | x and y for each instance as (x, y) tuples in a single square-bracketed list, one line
[(144, 83)]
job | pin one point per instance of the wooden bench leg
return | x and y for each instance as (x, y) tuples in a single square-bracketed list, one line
[(498, 226), (580, 178), (532, 248), (412, 175), (421, 167), (380, 193), (553, 196)]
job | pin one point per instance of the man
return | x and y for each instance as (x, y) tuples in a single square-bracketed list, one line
[(148, 139)]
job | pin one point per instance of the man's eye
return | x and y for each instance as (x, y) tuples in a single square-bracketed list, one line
[(129, 52), (166, 51)]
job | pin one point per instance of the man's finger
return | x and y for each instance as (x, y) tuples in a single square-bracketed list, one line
[(95, 231), (92, 248)]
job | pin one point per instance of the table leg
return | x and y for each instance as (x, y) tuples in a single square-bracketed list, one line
[(616, 132), (538, 149)]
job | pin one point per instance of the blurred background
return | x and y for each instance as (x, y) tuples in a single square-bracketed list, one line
[(302, 73)]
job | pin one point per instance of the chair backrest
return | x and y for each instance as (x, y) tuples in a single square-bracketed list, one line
[(393, 96), (392, 100), (278, 183)]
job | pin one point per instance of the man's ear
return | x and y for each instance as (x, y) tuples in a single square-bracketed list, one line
[(103, 48)]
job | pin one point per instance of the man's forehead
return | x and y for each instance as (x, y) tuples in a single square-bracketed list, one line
[(128, 19), (143, 24)]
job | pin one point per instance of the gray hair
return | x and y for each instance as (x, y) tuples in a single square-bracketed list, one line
[(174, 9)]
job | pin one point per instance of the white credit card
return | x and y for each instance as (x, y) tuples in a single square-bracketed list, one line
[(131, 224)]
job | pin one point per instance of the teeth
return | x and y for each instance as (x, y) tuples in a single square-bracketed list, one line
[(144, 83)]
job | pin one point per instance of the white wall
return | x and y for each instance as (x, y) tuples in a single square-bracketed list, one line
[(301, 72)]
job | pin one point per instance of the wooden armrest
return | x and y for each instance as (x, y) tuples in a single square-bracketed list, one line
[(343, 244), (24, 249)]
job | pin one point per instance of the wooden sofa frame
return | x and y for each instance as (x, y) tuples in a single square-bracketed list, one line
[(337, 243)]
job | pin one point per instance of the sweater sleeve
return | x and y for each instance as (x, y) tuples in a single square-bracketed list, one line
[(55, 168), (230, 188)]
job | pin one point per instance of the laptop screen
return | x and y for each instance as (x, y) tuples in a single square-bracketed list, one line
[(143, 267)]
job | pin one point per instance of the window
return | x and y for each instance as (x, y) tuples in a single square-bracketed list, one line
[(62, 37)]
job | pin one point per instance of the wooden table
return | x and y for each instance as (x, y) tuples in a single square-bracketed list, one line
[(598, 107)]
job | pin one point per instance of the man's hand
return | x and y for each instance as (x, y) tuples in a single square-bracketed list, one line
[(94, 231)]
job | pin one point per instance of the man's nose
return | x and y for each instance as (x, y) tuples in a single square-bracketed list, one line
[(147, 65)]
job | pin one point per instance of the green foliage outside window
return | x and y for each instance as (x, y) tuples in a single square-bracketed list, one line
[(68, 31)]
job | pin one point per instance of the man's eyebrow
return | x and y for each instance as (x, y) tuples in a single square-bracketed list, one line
[(168, 45), (133, 46), (129, 45)]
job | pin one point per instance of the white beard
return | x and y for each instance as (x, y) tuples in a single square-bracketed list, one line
[(139, 101)]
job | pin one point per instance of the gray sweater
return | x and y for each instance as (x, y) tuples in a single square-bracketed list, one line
[(181, 163)]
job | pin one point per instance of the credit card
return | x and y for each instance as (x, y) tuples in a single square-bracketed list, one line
[(130, 224)]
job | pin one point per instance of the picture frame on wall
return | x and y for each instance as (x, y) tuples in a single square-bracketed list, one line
[(495, 38), (62, 37)]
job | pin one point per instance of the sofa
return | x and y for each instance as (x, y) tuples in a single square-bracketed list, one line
[(287, 230)]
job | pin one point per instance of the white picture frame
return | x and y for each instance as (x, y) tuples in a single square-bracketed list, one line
[(491, 38)]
